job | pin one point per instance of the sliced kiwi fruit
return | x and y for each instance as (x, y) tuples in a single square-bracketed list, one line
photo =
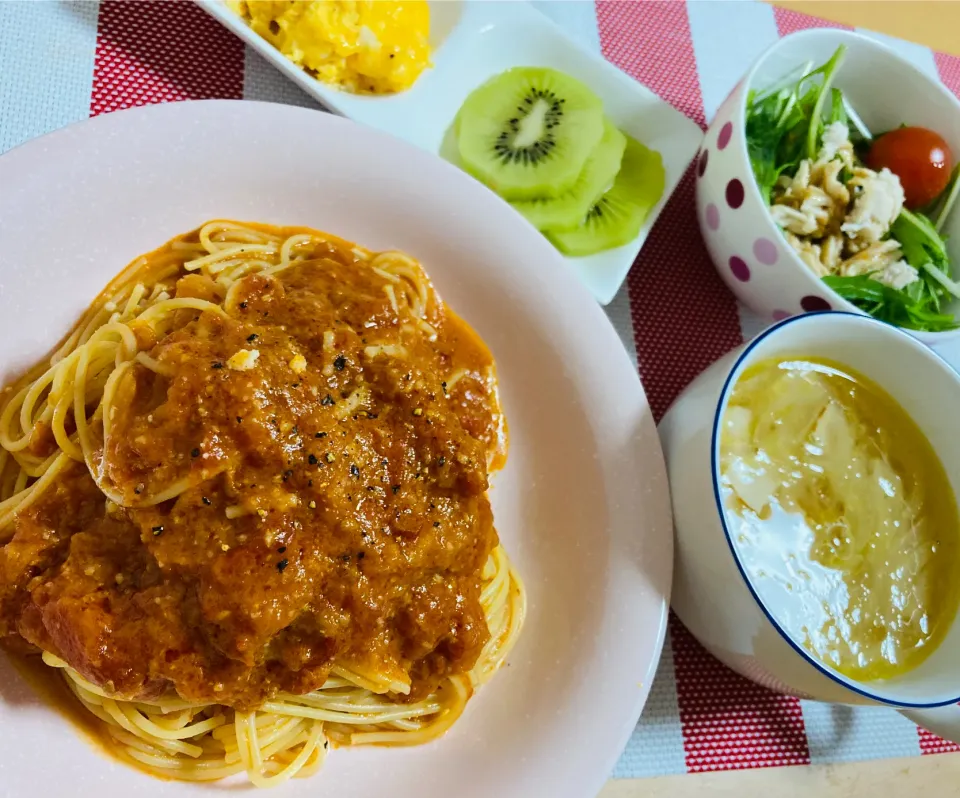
[(527, 133), (616, 218), (569, 209)]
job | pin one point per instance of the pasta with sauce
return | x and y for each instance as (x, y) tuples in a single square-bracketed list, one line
[(243, 506)]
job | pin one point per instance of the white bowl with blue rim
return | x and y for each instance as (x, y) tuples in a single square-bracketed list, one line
[(747, 247), (729, 606)]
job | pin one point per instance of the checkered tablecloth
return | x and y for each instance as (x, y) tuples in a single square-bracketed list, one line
[(63, 61)]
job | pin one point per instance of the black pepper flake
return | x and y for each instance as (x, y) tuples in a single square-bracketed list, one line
[(326, 744), (327, 401), (217, 365), (157, 531), (371, 487), (340, 363), (354, 471), (207, 501), (395, 489), (392, 55), (287, 474), (137, 490), (309, 483), (345, 557), (282, 564), (312, 459), (371, 415), (239, 419), (417, 475), (243, 306), (194, 452), (252, 337), (281, 550), (436, 523), (441, 460), (444, 386), (320, 435), (361, 555)]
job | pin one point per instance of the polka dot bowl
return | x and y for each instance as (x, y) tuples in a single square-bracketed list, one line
[(747, 247)]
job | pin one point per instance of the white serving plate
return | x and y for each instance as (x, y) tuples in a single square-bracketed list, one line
[(582, 505), (476, 39)]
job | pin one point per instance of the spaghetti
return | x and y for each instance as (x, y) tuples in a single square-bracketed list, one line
[(159, 562)]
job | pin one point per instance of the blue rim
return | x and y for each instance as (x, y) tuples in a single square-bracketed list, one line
[(723, 516)]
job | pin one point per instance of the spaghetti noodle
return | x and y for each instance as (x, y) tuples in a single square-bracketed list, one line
[(217, 617)]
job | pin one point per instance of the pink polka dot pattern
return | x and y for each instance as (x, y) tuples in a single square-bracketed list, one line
[(162, 52), (765, 251), (811, 303), (702, 164), (723, 138), (739, 268), (735, 193), (713, 216)]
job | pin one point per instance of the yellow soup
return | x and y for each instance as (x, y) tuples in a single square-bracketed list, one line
[(843, 515)]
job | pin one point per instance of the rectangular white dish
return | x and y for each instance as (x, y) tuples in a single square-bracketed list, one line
[(475, 39)]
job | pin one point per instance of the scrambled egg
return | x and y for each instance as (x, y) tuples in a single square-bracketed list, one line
[(367, 47)]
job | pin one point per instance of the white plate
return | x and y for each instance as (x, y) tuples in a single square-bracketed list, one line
[(475, 40), (582, 505)]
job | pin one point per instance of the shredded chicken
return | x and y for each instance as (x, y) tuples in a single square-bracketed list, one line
[(898, 275), (837, 215), (876, 257), (879, 200), (836, 142), (811, 201), (810, 253)]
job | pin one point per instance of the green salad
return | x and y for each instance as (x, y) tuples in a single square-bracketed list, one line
[(864, 212)]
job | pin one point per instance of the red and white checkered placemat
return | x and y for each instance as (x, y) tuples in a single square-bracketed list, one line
[(60, 62)]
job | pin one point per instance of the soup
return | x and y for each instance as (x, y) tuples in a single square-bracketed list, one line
[(843, 515)]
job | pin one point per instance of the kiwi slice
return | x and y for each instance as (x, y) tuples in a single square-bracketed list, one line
[(618, 215), (569, 209), (528, 132)]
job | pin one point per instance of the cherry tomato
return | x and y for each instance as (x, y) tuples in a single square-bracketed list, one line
[(919, 157)]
